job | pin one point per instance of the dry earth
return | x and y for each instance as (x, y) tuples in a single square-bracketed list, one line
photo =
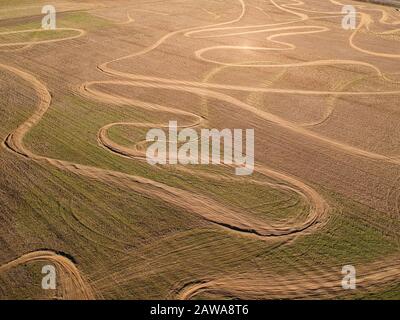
[(76, 191)]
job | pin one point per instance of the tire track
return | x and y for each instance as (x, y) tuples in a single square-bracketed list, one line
[(207, 208), (74, 286), (29, 44), (258, 287)]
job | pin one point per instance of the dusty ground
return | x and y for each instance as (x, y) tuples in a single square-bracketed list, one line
[(75, 190)]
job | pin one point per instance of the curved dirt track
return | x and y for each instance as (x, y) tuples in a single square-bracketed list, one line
[(240, 285), (74, 287), (209, 209), (32, 43), (196, 87), (370, 277), (244, 286)]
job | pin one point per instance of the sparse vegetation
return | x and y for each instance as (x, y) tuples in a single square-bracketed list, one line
[(325, 188)]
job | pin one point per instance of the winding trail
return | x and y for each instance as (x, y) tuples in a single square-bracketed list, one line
[(73, 285), (28, 44), (308, 285), (209, 209)]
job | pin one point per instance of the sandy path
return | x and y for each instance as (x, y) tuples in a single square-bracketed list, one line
[(72, 283), (248, 286), (202, 205), (207, 208), (308, 285), (79, 34)]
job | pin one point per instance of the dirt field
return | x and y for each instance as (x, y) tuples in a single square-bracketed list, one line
[(77, 192)]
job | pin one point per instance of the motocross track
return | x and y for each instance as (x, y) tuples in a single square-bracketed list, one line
[(304, 285)]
